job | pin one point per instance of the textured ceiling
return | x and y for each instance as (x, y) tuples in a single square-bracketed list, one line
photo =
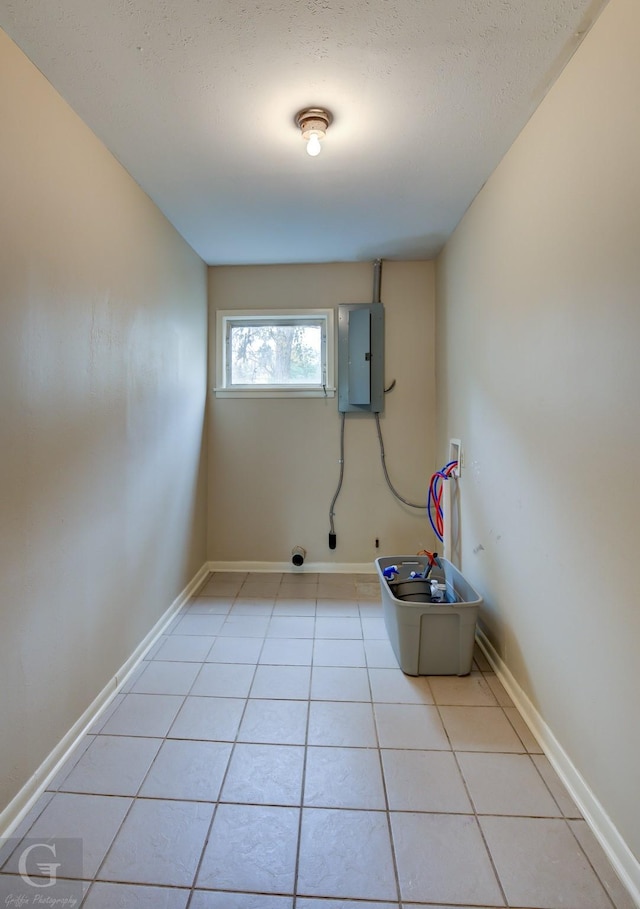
[(197, 98)]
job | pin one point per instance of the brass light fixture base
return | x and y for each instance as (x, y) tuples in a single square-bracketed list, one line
[(313, 120)]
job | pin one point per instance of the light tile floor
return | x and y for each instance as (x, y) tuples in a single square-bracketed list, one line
[(270, 754)]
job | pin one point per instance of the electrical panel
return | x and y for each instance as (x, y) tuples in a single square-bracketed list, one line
[(361, 357)]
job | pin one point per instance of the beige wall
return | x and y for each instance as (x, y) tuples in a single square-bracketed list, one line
[(274, 463), (539, 374), (102, 387)]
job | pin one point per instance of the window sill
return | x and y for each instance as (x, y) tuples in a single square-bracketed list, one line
[(292, 392)]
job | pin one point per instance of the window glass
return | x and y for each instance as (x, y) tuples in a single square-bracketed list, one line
[(281, 353), (276, 353)]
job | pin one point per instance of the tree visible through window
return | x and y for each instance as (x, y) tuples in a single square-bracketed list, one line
[(282, 353)]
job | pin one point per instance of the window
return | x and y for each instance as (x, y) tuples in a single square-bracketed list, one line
[(275, 353)]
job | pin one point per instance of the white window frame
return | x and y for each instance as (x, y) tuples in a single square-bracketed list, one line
[(225, 319)]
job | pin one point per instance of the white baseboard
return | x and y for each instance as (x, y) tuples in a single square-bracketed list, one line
[(307, 568), (22, 803), (623, 860)]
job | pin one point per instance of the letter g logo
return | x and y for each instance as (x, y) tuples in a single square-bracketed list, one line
[(48, 868)]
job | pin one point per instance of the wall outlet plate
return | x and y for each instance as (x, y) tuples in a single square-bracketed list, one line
[(455, 454)]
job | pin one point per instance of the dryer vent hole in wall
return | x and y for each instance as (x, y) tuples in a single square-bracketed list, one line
[(298, 555)]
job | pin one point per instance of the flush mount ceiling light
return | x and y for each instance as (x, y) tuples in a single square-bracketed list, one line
[(313, 123)]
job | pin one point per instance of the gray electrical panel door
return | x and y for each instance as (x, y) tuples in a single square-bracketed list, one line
[(361, 357)]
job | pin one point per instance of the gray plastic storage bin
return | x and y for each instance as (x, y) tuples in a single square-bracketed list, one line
[(429, 638)]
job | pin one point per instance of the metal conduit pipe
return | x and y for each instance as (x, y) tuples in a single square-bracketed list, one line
[(377, 280)]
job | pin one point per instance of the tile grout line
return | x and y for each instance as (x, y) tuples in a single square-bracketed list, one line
[(296, 870), (96, 875), (222, 782), (392, 844), (473, 807), (562, 816), (257, 663)]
